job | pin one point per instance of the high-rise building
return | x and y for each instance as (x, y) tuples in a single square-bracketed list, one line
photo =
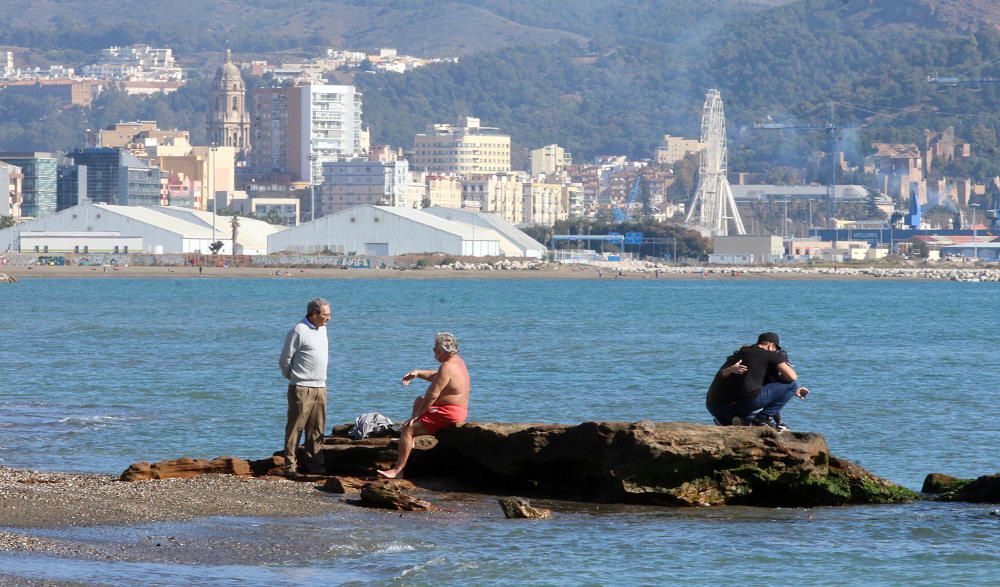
[(115, 176), (228, 119), (298, 128), (71, 184), (38, 183), (466, 147), (10, 190), (549, 160), (350, 183)]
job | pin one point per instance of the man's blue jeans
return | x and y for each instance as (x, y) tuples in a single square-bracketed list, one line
[(771, 399)]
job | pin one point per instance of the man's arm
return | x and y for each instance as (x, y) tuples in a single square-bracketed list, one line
[(425, 374), (786, 371), (288, 350)]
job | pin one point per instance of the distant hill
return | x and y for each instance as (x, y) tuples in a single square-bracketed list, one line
[(599, 77)]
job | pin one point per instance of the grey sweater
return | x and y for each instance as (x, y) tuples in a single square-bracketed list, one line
[(304, 355)]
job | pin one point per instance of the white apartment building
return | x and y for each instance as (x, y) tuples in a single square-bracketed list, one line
[(674, 149), (136, 62), (543, 203), (328, 127), (298, 128), (444, 191), (466, 147), (549, 160), (499, 193)]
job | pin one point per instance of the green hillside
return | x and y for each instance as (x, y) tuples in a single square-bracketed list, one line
[(597, 77)]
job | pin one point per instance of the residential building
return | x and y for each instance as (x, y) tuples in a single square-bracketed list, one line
[(116, 176), (444, 191), (500, 193), (136, 62), (463, 148), (10, 190), (549, 160), (674, 149), (298, 128), (543, 203), (209, 169), (360, 181), (228, 118), (284, 209), (138, 137), (39, 183), (573, 200), (69, 92)]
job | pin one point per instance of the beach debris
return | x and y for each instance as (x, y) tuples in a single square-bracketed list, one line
[(388, 496), (518, 507), (4, 278), (185, 468)]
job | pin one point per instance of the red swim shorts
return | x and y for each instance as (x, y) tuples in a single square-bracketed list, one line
[(439, 417)]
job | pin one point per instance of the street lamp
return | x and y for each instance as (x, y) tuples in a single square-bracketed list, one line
[(211, 174), (975, 242), (312, 186)]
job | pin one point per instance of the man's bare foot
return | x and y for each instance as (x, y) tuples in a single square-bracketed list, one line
[(391, 474)]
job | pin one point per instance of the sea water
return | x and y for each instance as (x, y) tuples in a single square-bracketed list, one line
[(100, 373)]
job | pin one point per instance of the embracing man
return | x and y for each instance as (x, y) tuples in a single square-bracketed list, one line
[(445, 404), (303, 363), (755, 377)]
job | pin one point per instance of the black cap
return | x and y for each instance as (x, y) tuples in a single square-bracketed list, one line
[(769, 337)]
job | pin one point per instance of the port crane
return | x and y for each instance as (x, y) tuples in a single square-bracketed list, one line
[(831, 128), (621, 214)]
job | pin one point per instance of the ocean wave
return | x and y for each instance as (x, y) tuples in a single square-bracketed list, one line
[(96, 420)]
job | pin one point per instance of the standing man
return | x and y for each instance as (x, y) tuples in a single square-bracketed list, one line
[(739, 387), (303, 363), (445, 404)]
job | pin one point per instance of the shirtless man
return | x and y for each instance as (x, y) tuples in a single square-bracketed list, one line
[(445, 404)]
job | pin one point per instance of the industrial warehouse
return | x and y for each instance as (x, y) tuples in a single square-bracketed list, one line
[(383, 231), (361, 230)]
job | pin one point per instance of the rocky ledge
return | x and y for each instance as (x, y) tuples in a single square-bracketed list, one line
[(985, 489), (672, 464)]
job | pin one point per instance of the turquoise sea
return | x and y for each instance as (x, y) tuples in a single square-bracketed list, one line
[(98, 373)]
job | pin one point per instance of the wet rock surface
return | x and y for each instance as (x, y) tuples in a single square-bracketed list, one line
[(520, 508), (985, 489), (672, 464)]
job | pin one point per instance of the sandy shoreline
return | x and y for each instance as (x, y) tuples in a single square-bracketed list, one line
[(545, 271)]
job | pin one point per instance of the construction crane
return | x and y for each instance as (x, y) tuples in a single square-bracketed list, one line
[(633, 194), (831, 128), (934, 78)]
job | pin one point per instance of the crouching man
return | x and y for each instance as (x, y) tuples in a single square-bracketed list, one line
[(445, 404)]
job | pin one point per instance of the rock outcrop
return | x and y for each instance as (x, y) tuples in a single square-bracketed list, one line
[(387, 497), (673, 464), (653, 463), (4, 278), (985, 489), (520, 508), (185, 468)]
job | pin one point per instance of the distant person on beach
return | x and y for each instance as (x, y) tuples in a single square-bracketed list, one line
[(445, 404), (741, 394), (303, 363)]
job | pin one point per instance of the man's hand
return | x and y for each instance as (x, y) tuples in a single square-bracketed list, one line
[(409, 377), (802, 392), (737, 368)]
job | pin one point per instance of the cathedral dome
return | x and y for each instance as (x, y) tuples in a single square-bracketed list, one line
[(228, 76)]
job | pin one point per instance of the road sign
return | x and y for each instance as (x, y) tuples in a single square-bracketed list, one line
[(633, 238)]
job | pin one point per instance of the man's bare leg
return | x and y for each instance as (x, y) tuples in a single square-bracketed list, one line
[(403, 452)]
